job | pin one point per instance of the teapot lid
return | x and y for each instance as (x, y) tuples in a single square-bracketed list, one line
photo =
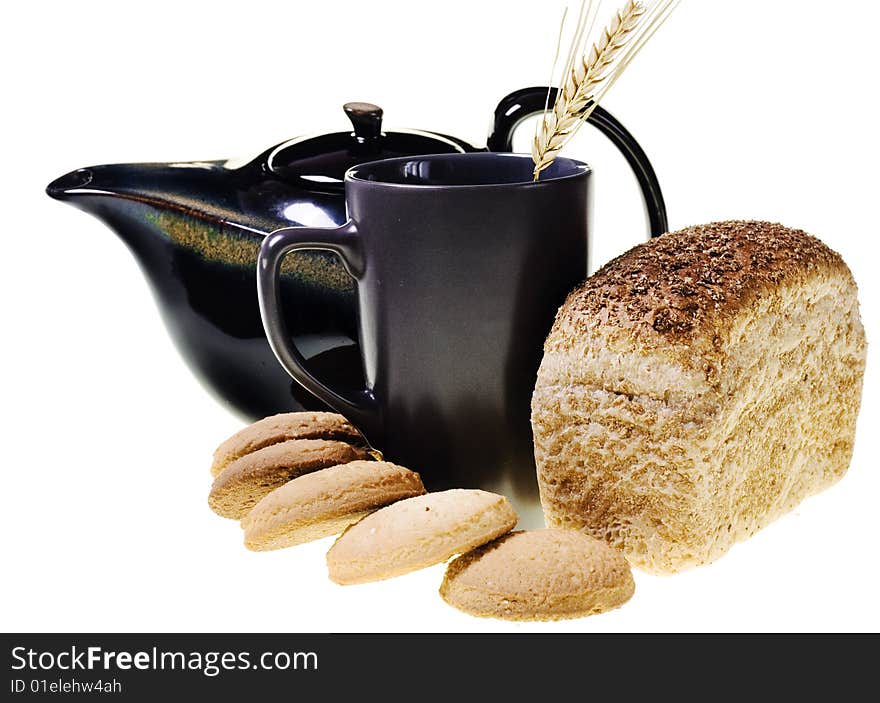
[(320, 162)]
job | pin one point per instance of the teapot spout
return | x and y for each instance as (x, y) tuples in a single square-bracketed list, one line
[(122, 196), (174, 186), (241, 196), (70, 183), (132, 198)]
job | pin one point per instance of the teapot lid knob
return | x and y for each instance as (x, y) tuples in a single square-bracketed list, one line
[(366, 119)]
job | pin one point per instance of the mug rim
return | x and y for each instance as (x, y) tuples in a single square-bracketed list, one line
[(577, 169)]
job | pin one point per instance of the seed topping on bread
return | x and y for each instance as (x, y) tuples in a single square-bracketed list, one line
[(674, 287)]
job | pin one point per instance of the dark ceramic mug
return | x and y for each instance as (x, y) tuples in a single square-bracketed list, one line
[(461, 262)]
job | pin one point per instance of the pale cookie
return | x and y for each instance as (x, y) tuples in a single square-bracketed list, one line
[(247, 479), (539, 575), (280, 428), (418, 532), (325, 502)]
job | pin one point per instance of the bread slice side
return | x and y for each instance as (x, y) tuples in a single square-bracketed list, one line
[(628, 469)]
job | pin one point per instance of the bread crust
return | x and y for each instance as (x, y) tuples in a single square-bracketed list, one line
[(678, 290), (696, 388)]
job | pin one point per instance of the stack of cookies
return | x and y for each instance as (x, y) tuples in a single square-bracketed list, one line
[(298, 477)]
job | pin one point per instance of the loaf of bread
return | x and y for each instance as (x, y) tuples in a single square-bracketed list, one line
[(696, 388)]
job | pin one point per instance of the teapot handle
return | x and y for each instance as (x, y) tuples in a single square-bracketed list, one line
[(525, 103)]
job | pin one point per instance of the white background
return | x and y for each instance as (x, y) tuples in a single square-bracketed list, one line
[(748, 109)]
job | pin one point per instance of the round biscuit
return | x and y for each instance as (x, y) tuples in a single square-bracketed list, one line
[(418, 532), (325, 502), (551, 574), (280, 428), (247, 479)]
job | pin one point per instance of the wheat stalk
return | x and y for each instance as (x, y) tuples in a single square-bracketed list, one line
[(589, 74), (581, 79)]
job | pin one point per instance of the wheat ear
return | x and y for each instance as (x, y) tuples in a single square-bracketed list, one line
[(588, 75)]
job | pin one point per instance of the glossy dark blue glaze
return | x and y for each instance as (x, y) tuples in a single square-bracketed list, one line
[(196, 227), (206, 293)]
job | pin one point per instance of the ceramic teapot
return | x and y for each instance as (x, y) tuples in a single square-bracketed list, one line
[(196, 227)]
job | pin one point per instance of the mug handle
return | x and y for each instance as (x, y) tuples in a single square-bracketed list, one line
[(361, 407), (525, 103)]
